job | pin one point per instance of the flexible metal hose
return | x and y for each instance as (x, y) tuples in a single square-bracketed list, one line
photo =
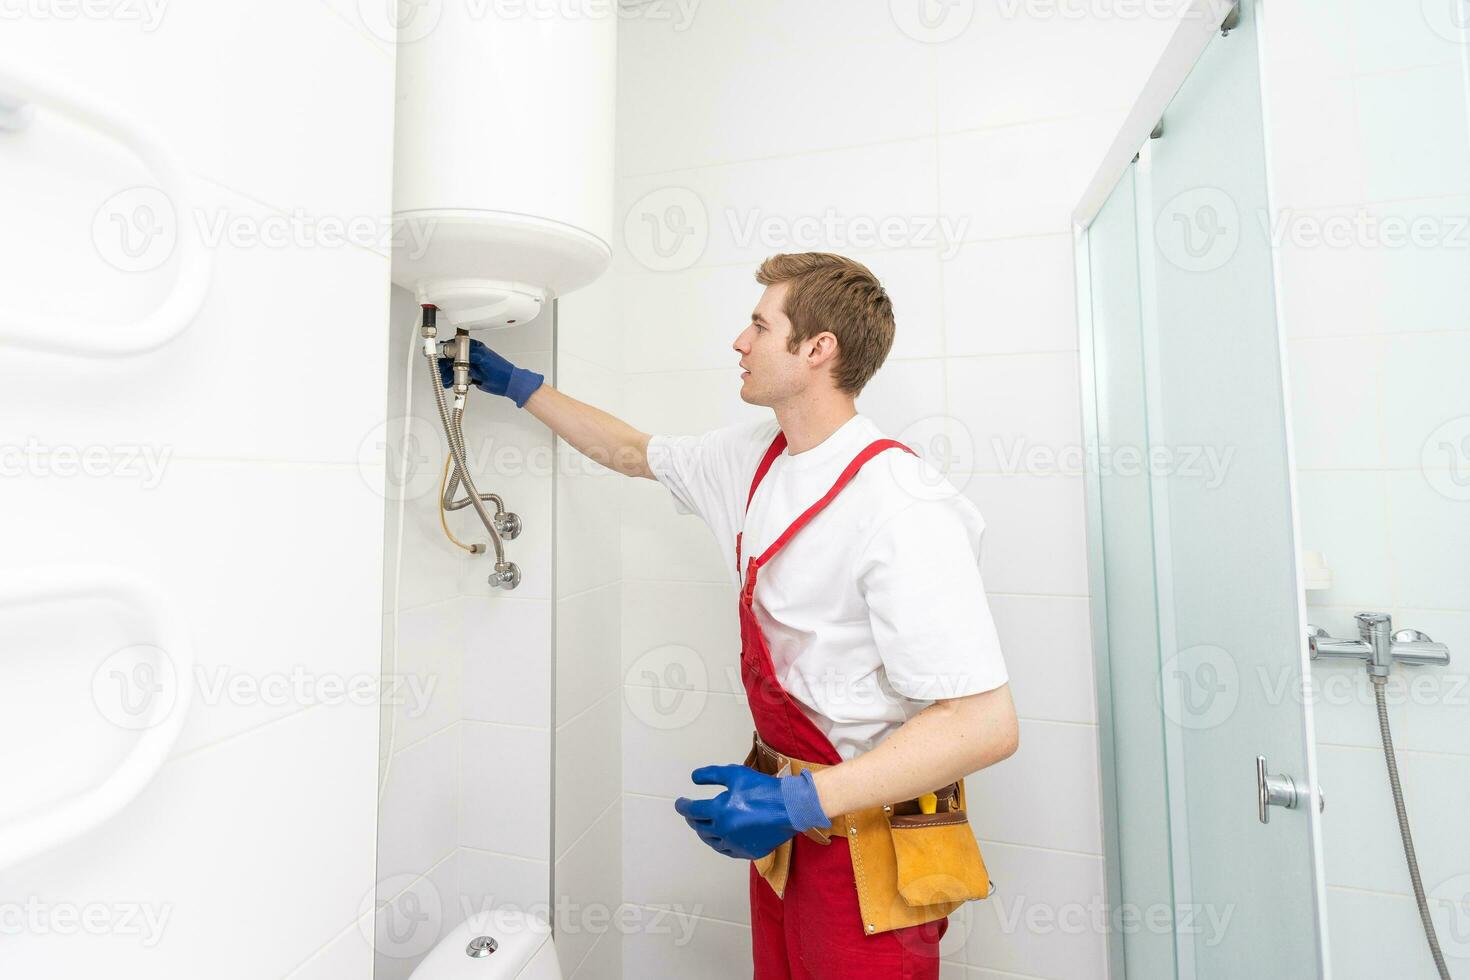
[(452, 487), (456, 448), (1403, 814)]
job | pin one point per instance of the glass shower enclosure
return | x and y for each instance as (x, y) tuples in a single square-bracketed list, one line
[(1212, 827)]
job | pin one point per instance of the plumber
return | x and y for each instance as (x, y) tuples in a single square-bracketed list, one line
[(868, 652)]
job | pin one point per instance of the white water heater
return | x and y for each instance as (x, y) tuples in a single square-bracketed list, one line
[(503, 154)]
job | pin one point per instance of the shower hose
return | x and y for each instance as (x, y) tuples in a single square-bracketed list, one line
[(1408, 839)]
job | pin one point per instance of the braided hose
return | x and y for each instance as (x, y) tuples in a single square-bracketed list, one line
[(452, 487), (456, 448), (1403, 815)]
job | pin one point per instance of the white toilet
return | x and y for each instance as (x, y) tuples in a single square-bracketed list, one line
[(499, 944)]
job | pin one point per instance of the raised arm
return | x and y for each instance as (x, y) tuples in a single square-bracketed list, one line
[(599, 436)]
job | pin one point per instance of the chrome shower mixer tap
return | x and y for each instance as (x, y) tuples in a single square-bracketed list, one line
[(1379, 645)]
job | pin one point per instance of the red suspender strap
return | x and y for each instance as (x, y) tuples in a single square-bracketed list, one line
[(873, 449), (777, 446)]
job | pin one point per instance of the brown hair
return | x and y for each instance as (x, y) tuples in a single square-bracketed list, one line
[(833, 293)]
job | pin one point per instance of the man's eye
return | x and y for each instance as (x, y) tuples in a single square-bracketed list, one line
[(759, 327)]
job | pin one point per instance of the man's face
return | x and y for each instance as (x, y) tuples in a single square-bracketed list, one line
[(772, 373)]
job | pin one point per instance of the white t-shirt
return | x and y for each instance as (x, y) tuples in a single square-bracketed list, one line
[(875, 608)]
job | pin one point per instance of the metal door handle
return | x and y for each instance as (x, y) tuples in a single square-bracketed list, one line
[(1273, 790)]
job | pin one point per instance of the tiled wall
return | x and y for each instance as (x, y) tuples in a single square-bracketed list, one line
[(1367, 109), (465, 815), (252, 850), (947, 154)]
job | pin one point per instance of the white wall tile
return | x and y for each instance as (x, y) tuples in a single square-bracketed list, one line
[(588, 770), (1020, 928), (1010, 296), (1014, 405), (666, 864), (714, 730), (588, 651), (1034, 533), (507, 660), (1024, 179), (418, 817), (592, 877), (1048, 652), (505, 790), (1008, 803)]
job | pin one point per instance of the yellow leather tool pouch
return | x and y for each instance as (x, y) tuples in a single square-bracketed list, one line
[(938, 860), (909, 867)]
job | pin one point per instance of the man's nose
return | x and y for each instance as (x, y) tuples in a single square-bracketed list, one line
[(740, 345)]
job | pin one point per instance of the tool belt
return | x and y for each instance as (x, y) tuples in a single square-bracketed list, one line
[(909, 867)]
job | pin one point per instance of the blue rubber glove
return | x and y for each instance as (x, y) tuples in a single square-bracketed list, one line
[(494, 374), (755, 814)]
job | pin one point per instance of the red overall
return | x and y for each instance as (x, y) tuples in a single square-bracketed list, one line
[(814, 932)]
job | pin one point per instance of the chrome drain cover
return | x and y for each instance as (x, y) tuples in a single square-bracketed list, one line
[(481, 946)]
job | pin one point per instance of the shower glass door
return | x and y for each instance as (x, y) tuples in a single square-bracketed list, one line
[(1197, 616)]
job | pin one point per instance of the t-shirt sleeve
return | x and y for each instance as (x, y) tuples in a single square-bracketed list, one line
[(710, 474), (920, 577)]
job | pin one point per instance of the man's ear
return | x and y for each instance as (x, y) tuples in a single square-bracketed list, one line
[(824, 348)]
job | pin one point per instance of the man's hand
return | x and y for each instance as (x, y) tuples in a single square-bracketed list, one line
[(495, 375), (755, 814)]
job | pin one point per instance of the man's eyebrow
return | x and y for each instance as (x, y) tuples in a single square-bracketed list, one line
[(757, 318)]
